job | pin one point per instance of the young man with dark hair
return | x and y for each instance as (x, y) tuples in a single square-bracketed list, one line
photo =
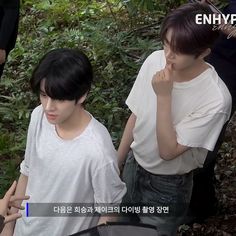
[(179, 106), (9, 18), (69, 155)]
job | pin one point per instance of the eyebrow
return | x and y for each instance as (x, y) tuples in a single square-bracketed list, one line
[(41, 91), (166, 41)]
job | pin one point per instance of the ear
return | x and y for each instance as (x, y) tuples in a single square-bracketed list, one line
[(82, 99), (205, 53)]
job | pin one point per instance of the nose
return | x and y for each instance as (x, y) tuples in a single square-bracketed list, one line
[(50, 105), (168, 53)]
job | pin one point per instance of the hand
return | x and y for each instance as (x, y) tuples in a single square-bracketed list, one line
[(162, 81), (2, 56), (9, 200)]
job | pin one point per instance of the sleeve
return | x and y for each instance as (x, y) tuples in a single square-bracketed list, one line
[(142, 85), (135, 94), (198, 130), (8, 25), (107, 185), (25, 164)]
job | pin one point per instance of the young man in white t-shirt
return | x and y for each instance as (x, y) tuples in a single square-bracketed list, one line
[(179, 106), (69, 156)]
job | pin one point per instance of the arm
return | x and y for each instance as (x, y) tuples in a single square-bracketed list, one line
[(169, 148), (8, 25), (108, 188), (9, 200), (126, 140), (20, 191), (104, 219), (166, 136)]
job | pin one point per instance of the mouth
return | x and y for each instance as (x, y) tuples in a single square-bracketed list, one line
[(51, 116)]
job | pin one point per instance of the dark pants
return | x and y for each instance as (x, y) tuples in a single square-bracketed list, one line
[(203, 201), (157, 191)]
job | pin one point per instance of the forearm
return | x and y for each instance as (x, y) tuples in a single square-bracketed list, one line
[(166, 135), (126, 139), (20, 191)]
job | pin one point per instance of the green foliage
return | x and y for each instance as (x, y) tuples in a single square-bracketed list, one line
[(116, 35), (135, 6)]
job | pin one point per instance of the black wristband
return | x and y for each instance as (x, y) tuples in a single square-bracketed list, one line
[(2, 218)]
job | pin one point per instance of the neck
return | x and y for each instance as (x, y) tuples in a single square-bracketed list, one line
[(190, 73), (75, 125)]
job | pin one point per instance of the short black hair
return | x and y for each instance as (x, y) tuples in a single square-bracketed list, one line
[(67, 73), (188, 37)]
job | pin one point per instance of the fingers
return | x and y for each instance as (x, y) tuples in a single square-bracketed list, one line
[(12, 217), (10, 191), (10, 199), (169, 71), (15, 205), (169, 66), (161, 75), (164, 74), (16, 198)]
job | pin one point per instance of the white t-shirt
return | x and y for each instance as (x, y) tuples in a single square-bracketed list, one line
[(200, 108), (82, 170)]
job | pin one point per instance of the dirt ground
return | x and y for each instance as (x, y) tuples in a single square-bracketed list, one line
[(224, 222)]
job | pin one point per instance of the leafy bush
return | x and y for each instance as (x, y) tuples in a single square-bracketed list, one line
[(116, 35)]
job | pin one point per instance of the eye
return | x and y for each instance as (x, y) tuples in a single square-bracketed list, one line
[(165, 43), (42, 94)]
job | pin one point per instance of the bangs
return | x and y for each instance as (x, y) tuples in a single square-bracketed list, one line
[(58, 87), (67, 75), (182, 39), (187, 36)]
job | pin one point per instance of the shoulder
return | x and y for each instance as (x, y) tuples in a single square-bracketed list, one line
[(220, 93), (36, 116), (156, 60), (99, 132), (101, 141), (159, 54), (37, 112), (211, 94), (153, 63)]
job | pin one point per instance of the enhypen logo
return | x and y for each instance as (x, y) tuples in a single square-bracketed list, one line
[(215, 19), (223, 22)]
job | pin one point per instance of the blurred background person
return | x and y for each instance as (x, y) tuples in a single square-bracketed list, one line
[(9, 19), (204, 202)]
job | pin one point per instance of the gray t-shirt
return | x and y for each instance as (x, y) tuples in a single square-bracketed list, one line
[(81, 170)]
